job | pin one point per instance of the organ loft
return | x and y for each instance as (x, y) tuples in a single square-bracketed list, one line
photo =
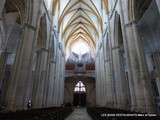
[(67, 59)]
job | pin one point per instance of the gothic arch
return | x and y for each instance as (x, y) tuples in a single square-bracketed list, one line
[(41, 41), (17, 9), (24, 10), (81, 19), (137, 8), (39, 60), (13, 20), (80, 87), (15, 6), (42, 32), (118, 30), (23, 7)]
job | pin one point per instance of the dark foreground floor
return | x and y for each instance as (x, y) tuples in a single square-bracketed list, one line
[(37, 114), (79, 114), (67, 113)]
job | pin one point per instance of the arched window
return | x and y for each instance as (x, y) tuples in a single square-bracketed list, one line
[(80, 87), (80, 47)]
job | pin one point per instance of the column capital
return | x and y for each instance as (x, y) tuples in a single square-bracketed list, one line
[(107, 60), (115, 47), (53, 61), (41, 50), (134, 22), (30, 26)]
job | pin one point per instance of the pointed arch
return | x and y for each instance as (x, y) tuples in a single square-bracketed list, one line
[(42, 33), (137, 8), (80, 87)]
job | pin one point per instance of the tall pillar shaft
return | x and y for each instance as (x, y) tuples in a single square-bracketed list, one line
[(20, 85), (140, 76), (158, 4)]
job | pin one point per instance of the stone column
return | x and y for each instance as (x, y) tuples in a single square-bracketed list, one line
[(46, 95), (54, 68), (104, 73), (20, 73), (40, 81), (20, 86), (100, 77), (158, 4), (51, 76), (103, 79), (62, 79), (108, 76), (51, 83), (98, 81), (144, 75), (2, 7), (96, 77), (57, 77), (111, 64), (129, 57), (144, 99), (120, 94), (1, 25)]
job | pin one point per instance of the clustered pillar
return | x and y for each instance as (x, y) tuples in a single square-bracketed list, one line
[(124, 82), (37, 74)]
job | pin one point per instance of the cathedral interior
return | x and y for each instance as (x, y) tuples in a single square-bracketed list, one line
[(84, 57)]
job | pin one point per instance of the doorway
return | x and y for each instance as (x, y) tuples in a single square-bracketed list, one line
[(79, 95)]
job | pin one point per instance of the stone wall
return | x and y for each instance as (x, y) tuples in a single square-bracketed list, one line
[(70, 84), (37, 72), (126, 83)]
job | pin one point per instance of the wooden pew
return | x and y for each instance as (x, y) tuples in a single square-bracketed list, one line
[(38, 114)]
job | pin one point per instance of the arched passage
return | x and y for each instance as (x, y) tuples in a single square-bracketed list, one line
[(115, 57), (143, 16), (40, 64), (80, 27), (79, 94), (12, 27), (121, 85), (148, 31)]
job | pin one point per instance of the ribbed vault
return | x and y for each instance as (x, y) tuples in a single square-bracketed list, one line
[(80, 19), (16, 6)]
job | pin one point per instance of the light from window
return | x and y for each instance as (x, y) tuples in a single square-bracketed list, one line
[(80, 47), (80, 87)]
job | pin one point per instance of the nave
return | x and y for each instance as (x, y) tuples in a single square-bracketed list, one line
[(79, 114), (62, 54)]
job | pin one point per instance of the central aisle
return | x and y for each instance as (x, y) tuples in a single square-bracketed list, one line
[(79, 114)]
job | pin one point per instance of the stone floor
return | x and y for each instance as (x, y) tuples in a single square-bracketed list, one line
[(79, 114)]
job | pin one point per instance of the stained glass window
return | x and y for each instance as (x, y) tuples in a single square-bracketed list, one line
[(80, 87)]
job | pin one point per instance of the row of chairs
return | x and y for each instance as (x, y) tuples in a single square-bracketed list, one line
[(59, 113)]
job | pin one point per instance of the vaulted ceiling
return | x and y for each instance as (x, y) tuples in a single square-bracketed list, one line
[(80, 19), (16, 6)]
